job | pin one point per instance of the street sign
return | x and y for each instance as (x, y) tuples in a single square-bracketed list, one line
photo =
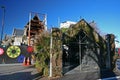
[(13, 51), (30, 49), (118, 50), (1, 51), (118, 64)]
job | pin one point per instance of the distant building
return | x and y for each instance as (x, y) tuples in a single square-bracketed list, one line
[(35, 28), (7, 40), (117, 44), (28, 34), (66, 24), (18, 36)]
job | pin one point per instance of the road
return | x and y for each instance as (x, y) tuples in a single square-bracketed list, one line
[(18, 72)]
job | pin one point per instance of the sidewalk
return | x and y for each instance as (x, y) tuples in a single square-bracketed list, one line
[(76, 76), (105, 75), (14, 64)]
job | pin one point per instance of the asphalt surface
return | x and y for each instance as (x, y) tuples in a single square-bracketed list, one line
[(103, 75), (18, 72)]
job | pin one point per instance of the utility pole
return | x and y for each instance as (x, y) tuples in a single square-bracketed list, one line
[(2, 28), (45, 21), (50, 75), (80, 53), (29, 29)]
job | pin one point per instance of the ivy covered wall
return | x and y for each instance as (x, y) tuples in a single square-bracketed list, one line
[(59, 38)]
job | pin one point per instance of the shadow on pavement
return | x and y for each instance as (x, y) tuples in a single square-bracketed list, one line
[(109, 74), (20, 76)]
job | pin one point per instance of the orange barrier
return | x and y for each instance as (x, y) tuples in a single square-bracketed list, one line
[(24, 62), (28, 61)]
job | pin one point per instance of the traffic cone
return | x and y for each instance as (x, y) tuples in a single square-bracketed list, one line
[(28, 62), (24, 62)]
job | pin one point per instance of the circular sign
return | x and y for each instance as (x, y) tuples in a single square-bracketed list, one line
[(13, 51), (20, 58), (30, 49), (1, 51)]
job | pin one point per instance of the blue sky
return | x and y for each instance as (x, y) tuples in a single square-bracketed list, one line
[(106, 13)]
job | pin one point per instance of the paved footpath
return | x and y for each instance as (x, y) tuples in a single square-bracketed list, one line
[(105, 75), (18, 72), (77, 76)]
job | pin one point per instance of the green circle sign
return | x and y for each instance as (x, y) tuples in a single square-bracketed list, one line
[(13, 51)]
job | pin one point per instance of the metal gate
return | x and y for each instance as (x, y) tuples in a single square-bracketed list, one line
[(81, 54)]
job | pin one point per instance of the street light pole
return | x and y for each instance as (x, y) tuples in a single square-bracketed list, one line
[(80, 54), (50, 74), (29, 29), (2, 28)]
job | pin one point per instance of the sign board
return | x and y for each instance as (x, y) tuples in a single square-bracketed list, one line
[(1, 51), (30, 49), (118, 64), (118, 50)]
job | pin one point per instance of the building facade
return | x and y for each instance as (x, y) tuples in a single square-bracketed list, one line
[(18, 36), (66, 24), (34, 28)]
